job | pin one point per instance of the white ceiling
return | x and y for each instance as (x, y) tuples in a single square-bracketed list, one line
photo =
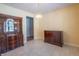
[(38, 7)]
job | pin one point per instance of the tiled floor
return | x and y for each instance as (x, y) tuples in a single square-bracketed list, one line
[(39, 48)]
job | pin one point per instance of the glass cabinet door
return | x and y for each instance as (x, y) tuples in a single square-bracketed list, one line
[(9, 25)]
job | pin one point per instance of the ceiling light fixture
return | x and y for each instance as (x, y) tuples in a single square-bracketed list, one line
[(38, 16)]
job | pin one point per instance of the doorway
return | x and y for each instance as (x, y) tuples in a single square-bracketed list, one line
[(30, 27)]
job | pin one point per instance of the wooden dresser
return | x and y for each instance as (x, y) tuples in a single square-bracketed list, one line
[(54, 37)]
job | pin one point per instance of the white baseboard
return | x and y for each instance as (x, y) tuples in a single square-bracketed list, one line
[(70, 44)]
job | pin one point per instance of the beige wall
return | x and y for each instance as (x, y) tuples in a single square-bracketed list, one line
[(16, 12), (66, 20), (38, 28)]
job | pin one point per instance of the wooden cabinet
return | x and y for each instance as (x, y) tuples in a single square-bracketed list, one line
[(3, 44), (14, 41), (12, 38), (54, 37)]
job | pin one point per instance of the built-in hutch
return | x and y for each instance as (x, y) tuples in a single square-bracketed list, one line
[(11, 35)]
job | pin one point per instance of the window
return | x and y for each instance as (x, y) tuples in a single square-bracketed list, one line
[(9, 25)]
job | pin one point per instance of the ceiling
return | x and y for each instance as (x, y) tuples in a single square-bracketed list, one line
[(38, 7)]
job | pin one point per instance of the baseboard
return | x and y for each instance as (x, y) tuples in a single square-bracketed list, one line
[(70, 44)]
